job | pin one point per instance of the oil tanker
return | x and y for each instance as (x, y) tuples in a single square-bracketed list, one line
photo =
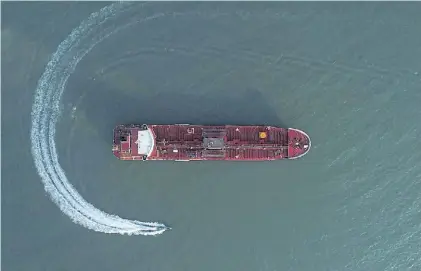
[(185, 142)]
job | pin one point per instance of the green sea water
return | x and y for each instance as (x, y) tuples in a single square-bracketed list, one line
[(349, 74)]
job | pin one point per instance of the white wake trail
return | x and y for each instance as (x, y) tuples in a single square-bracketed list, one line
[(45, 114)]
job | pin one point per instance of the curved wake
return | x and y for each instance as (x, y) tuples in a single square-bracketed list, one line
[(45, 113)]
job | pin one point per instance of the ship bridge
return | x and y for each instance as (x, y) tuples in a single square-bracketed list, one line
[(145, 142)]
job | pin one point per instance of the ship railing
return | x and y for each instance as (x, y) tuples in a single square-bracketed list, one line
[(181, 143), (257, 146), (213, 153), (181, 146)]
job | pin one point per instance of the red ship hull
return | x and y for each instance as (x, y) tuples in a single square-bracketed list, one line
[(183, 142)]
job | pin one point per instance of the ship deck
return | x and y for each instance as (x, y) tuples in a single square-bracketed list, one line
[(194, 142), (219, 142)]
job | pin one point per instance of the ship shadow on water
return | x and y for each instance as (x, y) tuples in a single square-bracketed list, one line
[(106, 107)]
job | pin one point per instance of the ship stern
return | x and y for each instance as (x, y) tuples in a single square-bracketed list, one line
[(121, 142), (133, 142)]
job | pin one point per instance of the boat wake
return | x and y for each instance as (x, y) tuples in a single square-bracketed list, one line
[(45, 114)]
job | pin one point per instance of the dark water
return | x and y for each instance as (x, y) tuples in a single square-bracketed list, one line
[(349, 74)]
